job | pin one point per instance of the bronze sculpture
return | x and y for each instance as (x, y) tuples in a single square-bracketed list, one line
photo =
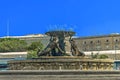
[(50, 50), (74, 49), (58, 46)]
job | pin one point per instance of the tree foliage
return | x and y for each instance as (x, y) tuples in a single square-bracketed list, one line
[(94, 56), (103, 56), (97, 56), (12, 45), (32, 54), (33, 48)]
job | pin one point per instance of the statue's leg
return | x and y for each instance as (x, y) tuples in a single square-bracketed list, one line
[(44, 52)]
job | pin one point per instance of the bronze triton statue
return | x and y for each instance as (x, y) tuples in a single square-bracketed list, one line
[(61, 44)]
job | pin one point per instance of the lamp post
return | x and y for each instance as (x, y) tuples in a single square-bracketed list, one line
[(115, 50), (114, 43)]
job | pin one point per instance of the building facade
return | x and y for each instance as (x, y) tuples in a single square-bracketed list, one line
[(99, 43), (90, 43), (105, 44)]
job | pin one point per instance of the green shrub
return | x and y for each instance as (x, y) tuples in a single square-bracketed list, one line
[(12, 45), (33, 49), (103, 56), (35, 46), (32, 54)]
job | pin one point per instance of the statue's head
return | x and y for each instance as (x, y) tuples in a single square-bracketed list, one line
[(54, 38)]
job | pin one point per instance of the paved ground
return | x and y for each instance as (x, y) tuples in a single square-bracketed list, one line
[(59, 75)]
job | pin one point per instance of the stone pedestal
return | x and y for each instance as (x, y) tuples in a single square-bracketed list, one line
[(61, 63)]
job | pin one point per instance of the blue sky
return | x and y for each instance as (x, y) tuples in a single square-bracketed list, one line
[(85, 17)]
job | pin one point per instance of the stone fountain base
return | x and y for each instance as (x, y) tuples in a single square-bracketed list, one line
[(61, 63)]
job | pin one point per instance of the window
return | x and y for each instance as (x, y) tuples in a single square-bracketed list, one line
[(98, 41), (91, 42), (107, 40), (98, 47), (116, 40), (107, 46), (84, 42), (116, 47)]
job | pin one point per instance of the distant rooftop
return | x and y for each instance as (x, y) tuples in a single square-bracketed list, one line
[(29, 35), (43, 35), (97, 36)]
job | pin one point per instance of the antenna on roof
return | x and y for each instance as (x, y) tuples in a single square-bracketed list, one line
[(8, 28)]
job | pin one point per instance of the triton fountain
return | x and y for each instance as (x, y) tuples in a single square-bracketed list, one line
[(61, 44), (61, 54)]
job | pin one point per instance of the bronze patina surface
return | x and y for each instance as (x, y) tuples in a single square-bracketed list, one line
[(61, 44)]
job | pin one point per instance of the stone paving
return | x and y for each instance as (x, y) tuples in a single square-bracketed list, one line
[(60, 75)]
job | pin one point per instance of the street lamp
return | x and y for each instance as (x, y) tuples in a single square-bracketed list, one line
[(115, 50)]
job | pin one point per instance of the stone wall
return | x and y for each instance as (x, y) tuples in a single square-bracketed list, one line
[(98, 43), (61, 63)]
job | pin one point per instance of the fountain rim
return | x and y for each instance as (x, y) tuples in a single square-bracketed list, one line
[(60, 33)]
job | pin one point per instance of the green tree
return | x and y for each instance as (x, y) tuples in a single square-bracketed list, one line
[(12, 45), (94, 55), (33, 48), (32, 54), (103, 56), (97, 56)]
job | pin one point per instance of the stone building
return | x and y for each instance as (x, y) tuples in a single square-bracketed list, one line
[(89, 43), (99, 43), (104, 44)]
